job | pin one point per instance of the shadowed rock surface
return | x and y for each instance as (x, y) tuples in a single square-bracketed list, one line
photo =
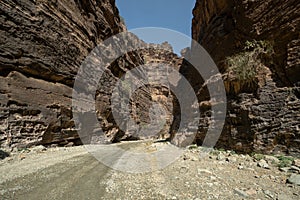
[(42, 47), (44, 43), (263, 112)]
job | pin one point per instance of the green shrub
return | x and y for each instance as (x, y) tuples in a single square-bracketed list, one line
[(244, 66), (258, 156), (285, 161)]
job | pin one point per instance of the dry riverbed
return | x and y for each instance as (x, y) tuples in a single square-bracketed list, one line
[(72, 173)]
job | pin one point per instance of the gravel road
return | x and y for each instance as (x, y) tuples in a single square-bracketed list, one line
[(73, 173)]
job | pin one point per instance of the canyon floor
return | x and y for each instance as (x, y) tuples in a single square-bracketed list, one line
[(73, 173)]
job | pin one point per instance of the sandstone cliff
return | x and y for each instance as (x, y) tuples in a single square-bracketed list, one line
[(263, 105), (255, 45), (43, 44)]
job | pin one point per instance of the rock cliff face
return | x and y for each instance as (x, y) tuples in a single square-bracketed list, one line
[(264, 105), (43, 44), (153, 56), (159, 62), (255, 45)]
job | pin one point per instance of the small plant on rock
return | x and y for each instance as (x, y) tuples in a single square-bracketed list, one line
[(285, 161), (244, 66), (258, 156)]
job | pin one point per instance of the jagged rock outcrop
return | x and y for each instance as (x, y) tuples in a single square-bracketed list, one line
[(263, 108), (161, 53), (160, 58), (43, 44)]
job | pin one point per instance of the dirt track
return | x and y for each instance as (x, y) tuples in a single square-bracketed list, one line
[(73, 173)]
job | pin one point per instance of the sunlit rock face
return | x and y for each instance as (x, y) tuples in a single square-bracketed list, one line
[(43, 44), (263, 109)]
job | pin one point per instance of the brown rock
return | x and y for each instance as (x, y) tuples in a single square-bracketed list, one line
[(39, 59), (296, 162), (263, 113), (251, 192), (43, 44)]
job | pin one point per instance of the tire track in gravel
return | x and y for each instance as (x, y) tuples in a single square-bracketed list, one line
[(81, 177)]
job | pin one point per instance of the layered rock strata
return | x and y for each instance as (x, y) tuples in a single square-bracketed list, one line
[(263, 108)]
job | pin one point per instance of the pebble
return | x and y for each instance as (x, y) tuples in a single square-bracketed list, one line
[(272, 177), (251, 192), (204, 171), (296, 163), (21, 157), (284, 169), (231, 159), (38, 149), (190, 157), (272, 160), (263, 164), (221, 157), (295, 169), (213, 178), (240, 192), (250, 169), (184, 169), (294, 179), (268, 194)]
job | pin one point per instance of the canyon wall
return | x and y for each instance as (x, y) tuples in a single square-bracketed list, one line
[(255, 45), (43, 44), (261, 39)]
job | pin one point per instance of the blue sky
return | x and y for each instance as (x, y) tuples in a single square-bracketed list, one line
[(170, 14)]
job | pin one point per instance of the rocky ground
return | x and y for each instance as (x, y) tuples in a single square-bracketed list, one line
[(72, 173)]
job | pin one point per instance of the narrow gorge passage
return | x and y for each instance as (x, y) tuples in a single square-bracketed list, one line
[(255, 46)]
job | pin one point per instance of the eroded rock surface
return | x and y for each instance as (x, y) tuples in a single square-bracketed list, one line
[(42, 47), (44, 43), (263, 113)]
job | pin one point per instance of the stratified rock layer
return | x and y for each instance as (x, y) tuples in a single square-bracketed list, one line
[(264, 116), (43, 44)]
